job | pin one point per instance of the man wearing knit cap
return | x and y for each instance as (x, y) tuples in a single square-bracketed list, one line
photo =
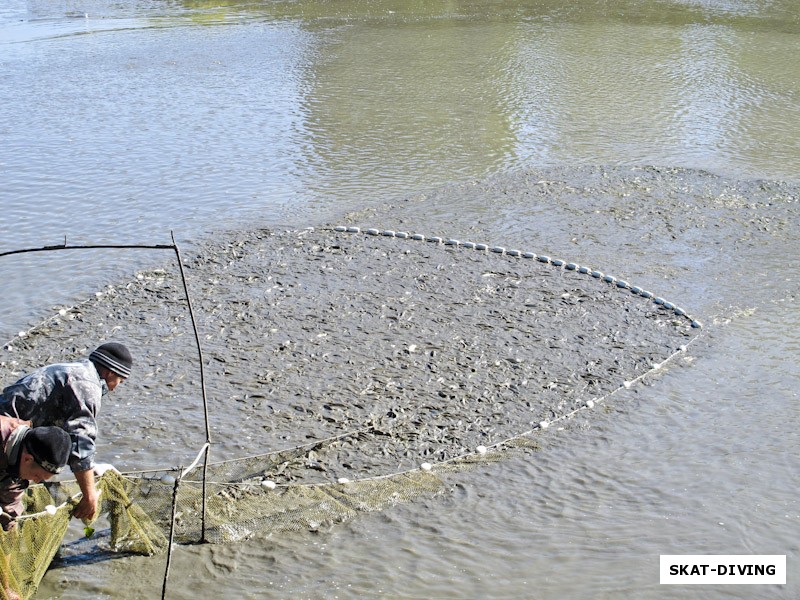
[(29, 454), (68, 395)]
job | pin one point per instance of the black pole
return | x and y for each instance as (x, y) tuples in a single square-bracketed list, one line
[(171, 532), (202, 384), (90, 247)]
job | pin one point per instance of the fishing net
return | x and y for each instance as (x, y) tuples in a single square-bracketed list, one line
[(29, 547), (145, 509), (428, 356)]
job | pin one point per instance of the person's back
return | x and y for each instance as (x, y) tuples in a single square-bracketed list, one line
[(66, 394)]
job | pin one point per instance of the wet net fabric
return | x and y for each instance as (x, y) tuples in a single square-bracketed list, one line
[(29, 547), (264, 503), (259, 506), (139, 508)]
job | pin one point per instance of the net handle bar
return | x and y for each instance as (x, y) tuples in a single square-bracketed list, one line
[(71, 501)]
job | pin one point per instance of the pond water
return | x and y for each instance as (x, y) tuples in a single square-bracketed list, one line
[(127, 123)]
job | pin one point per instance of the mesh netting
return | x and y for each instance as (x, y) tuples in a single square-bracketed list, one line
[(140, 506), (245, 497), (29, 547)]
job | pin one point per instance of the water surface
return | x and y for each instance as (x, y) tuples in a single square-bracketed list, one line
[(122, 122)]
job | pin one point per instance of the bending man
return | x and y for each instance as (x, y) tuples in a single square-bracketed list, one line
[(68, 395), (28, 455)]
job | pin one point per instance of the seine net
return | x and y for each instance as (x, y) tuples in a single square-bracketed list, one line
[(140, 506), (29, 547), (425, 359)]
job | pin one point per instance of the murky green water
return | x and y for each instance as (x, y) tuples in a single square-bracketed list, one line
[(121, 122)]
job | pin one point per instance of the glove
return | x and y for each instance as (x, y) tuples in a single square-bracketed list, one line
[(101, 468)]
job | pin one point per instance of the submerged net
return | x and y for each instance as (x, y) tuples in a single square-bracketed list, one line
[(238, 508), (143, 509), (501, 344)]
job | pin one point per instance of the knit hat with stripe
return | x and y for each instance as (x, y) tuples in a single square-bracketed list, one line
[(113, 356)]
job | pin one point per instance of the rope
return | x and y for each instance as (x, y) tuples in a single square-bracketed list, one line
[(49, 510), (480, 450), (558, 263)]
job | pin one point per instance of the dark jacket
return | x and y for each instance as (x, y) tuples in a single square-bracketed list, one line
[(65, 395)]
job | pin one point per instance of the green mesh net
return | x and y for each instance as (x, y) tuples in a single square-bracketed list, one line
[(145, 508), (29, 547)]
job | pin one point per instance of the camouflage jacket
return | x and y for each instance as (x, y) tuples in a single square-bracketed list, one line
[(66, 395), (11, 486)]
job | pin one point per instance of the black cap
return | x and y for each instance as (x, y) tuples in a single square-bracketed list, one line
[(113, 356), (50, 447)]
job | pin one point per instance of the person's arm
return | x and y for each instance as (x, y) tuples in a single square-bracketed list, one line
[(11, 502), (80, 404), (83, 400), (87, 507)]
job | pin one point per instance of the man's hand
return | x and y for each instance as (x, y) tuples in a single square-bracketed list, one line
[(11, 594), (8, 525), (86, 509)]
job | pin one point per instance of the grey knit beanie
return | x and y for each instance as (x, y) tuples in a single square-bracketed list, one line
[(113, 356)]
